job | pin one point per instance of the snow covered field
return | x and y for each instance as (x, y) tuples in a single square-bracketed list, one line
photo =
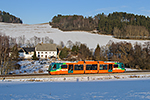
[(92, 90), (31, 66), (42, 30)]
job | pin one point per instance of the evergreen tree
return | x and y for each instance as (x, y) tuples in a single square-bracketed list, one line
[(84, 52), (97, 53), (64, 53), (6, 17), (75, 49)]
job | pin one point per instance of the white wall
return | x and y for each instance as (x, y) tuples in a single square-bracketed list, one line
[(43, 54), (28, 55), (24, 55)]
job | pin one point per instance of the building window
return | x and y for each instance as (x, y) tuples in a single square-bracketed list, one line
[(41, 55), (38, 52), (38, 55), (49, 52), (41, 52), (45, 52), (45, 56)]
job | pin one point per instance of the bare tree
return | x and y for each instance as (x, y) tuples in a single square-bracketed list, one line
[(36, 40), (51, 41), (70, 44), (12, 41), (43, 39), (62, 44), (4, 52), (28, 43), (77, 43), (21, 40), (47, 39)]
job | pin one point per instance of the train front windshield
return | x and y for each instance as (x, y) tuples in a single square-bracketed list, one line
[(50, 66), (123, 66)]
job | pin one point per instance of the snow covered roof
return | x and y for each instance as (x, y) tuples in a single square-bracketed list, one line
[(46, 47), (24, 49)]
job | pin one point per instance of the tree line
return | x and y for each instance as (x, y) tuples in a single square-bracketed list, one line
[(6, 17), (8, 55), (71, 23), (119, 24), (133, 56)]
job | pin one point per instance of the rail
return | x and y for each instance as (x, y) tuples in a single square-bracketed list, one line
[(46, 74)]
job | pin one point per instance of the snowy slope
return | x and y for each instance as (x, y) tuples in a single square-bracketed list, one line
[(42, 30), (32, 67)]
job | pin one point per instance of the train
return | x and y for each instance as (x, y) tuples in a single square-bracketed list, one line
[(86, 67)]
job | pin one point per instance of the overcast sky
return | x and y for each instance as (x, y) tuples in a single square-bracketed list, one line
[(42, 11)]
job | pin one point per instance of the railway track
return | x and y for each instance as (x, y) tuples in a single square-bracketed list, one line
[(74, 75)]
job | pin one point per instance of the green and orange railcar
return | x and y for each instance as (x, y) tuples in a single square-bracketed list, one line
[(85, 67)]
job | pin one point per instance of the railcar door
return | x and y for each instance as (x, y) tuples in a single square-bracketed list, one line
[(110, 68), (70, 69)]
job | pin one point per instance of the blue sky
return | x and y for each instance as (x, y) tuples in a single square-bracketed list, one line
[(42, 11)]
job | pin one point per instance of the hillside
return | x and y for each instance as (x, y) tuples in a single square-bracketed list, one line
[(8, 18), (133, 55), (119, 24), (42, 30)]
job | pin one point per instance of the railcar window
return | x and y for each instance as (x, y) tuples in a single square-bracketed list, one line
[(70, 67), (110, 66), (122, 65), (91, 67), (63, 66), (54, 67), (78, 67), (115, 66), (103, 67)]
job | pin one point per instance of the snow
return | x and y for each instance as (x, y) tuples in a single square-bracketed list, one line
[(42, 30), (129, 69), (32, 67), (92, 90), (79, 78)]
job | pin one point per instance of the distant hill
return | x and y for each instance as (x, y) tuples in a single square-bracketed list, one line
[(119, 24), (8, 18)]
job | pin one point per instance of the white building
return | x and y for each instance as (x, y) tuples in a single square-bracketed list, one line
[(26, 53), (46, 50)]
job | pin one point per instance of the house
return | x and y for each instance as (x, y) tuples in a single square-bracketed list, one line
[(26, 52), (46, 50)]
